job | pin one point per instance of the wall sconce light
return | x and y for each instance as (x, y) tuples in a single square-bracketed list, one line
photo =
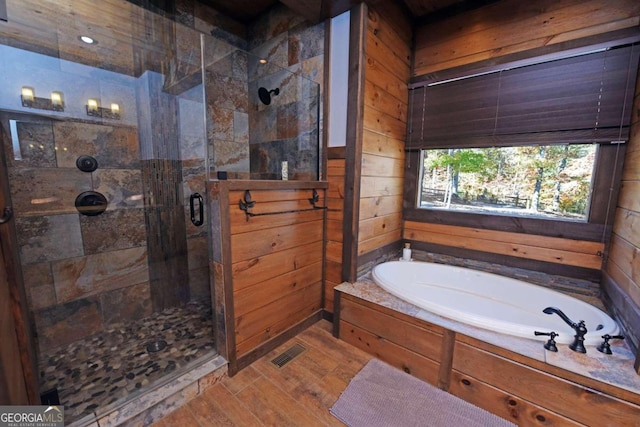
[(30, 100), (27, 96), (94, 110), (57, 101)]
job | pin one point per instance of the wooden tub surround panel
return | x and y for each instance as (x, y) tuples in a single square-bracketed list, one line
[(269, 267), (571, 400), (519, 388)]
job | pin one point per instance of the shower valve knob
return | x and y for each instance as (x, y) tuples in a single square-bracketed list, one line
[(86, 163)]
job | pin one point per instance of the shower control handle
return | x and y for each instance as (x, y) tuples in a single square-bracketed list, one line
[(200, 220), (7, 213)]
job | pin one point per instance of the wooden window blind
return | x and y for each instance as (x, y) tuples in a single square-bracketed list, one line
[(580, 99)]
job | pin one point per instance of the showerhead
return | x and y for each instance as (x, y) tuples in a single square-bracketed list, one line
[(265, 95)]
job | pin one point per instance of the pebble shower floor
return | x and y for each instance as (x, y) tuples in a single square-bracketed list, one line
[(109, 366)]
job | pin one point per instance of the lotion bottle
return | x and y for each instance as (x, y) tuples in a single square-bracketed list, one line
[(406, 252)]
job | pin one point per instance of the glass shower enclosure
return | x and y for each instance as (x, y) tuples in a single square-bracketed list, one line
[(102, 123), (112, 120)]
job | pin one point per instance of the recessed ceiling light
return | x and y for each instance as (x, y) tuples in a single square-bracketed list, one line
[(263, 61), (87, 40)]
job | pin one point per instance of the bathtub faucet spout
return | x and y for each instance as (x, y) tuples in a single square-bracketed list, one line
[(580, 328)]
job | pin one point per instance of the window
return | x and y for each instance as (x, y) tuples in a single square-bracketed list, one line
[(529, 147), (585, 98), (547, 181)]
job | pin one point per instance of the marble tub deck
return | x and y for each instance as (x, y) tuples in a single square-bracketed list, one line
[(108, 368), (615, 369)]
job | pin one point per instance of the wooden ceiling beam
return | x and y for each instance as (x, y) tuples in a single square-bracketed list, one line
[(311, 10), (319, 10)]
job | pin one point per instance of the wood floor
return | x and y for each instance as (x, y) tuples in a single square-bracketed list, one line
[(298, 394)]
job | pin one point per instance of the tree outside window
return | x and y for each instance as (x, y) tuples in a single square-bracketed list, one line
[(548, 181)]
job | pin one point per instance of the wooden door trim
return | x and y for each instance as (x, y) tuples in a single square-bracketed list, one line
[(355, 130)]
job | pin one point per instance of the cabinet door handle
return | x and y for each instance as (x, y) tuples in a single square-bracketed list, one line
[(200, 220), (7, 213)]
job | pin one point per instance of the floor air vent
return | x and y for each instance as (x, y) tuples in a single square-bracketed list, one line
[(288, 355)]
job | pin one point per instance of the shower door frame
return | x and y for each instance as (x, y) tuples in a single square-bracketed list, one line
[(20, 340)]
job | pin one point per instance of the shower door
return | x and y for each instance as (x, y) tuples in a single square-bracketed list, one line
[(18, 384)]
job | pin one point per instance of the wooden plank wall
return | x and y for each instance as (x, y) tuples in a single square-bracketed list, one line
[(276, 264), (512, 26), (387, 72), (487, 33), (334, 240), (622, 271), (577, 253)]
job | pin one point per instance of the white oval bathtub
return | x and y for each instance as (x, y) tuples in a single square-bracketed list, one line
[(490, 301)]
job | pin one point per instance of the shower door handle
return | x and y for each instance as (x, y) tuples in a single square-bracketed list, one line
[(7, 213), (197, 222)]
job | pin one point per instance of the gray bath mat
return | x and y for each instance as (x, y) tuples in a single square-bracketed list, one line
[(381, 395)]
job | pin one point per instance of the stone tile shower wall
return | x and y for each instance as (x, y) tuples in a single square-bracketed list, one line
[(87, 274), (227, 108), (175, 148), (246, 138), (289, 128), (82, 274), (158, 116), (226, 91), (226, 126)]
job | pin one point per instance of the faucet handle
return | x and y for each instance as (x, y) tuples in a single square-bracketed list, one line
[(551, 344), (605, 347)]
